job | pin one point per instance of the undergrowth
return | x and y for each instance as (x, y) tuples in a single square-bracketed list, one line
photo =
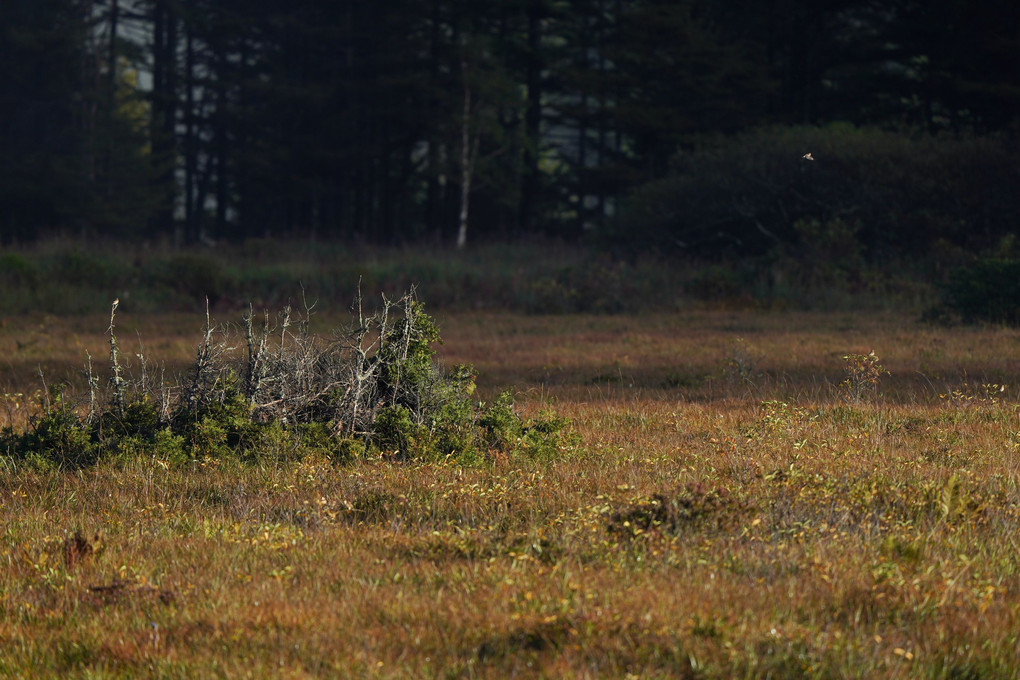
[(276, 390), (535, 278)]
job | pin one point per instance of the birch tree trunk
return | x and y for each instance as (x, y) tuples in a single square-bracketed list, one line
[(465, 169)]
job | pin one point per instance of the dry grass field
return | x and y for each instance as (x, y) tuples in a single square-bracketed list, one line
[(739, 506)]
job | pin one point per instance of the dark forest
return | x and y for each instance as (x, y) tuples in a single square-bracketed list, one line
[(648, 125)]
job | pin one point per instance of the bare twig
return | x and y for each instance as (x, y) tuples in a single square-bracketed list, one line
[(116, 379), (93, 382)]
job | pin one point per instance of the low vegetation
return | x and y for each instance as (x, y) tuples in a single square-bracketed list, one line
[(825, 270), (988, 290), (783, 495), (538, 278), (372, 387)]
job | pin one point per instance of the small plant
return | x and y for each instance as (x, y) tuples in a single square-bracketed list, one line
[(79, 548), (503, 431), (985, 394), (694, 507), (862, 373), (780, 417), (741, 363)]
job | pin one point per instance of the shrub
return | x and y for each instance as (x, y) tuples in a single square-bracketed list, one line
[(988, 290), (718, 283), (863, 371), (374, 386), (220, 425), (79, 268), (55, 436), (505, 432), (887, 193), (18, 270), (396, 433), (191, 277)]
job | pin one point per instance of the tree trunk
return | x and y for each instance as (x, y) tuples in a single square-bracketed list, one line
[(532, 121), (114, 16), (191, 210), (433, 208), (465, 168), (164, 108)]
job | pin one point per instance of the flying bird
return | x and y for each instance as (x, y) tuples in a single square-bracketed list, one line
[(808, 157)]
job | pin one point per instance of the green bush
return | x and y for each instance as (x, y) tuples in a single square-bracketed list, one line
[(56, 436), (504, 431), (320, 437), (139, 418), (988, 290), (18, 270), (190, 277), (718, 282), (406, 355), (472, 432), (395, 432), (896, 193), (218, 426), (375, 387), (501, 426), (81, 268)]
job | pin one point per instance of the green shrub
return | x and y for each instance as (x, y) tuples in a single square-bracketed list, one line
[(988, 290), (168, 446), (56, 436), (374, 387), (140, 418), (504, 431), (190, 277), (406, 355), (898, 193), (218, 426), (81, 268), (395, 432), (321, 438), (501, 426), (718, 282), (18, 270)]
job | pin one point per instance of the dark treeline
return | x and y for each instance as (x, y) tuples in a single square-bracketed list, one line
[(446, 120)]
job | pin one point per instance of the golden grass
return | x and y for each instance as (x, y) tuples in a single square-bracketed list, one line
[(729, 514)]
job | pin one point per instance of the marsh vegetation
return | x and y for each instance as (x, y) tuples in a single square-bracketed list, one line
[(747, 495)]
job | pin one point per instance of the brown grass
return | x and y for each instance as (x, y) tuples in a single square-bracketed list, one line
[(730, 514)]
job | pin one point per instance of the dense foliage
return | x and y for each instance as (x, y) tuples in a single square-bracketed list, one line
[(406, 121), (988, 290), (867, 195)]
